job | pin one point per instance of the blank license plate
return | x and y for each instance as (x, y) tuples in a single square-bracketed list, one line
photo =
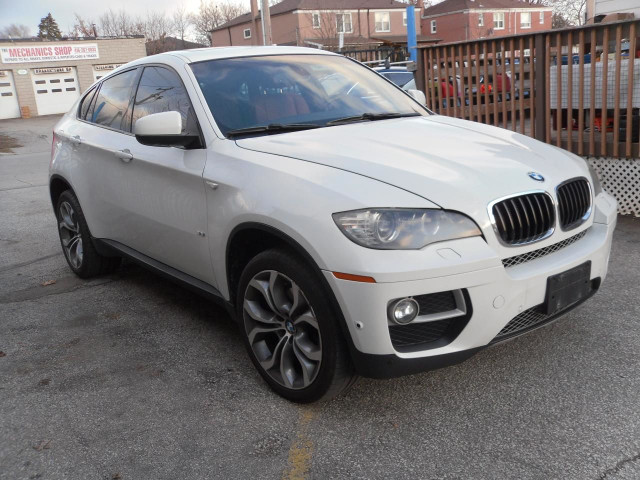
[(567, 288)]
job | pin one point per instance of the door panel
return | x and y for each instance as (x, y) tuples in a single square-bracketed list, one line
[(151, 199), (161, 205)]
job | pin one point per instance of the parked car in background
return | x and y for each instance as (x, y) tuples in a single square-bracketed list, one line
[(400, 75), (347, 229)]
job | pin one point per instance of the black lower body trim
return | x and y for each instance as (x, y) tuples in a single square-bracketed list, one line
[(112, 248)]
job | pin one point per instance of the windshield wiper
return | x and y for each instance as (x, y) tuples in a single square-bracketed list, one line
[(372, 117), (272, 127)]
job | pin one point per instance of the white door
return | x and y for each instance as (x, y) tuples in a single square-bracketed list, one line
[(151, 199), (55, 92), (9, 107)]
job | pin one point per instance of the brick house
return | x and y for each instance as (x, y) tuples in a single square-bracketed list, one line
[(460, 20), (319, 23)]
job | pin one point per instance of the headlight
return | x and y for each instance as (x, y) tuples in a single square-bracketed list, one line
[(403, 229), (595, 181)]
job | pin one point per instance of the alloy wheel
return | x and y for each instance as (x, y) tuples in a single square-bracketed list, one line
[(70, 234), (282, 329)]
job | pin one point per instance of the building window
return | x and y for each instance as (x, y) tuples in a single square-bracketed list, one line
[(541, 18), (383, 23), (481, 20), (433, 26), (315, 19), (247, 33), (498, 21), (343, 23), (525, 19), (404, 18)]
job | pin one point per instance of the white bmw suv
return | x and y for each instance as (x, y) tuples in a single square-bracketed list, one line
[(348, 229)]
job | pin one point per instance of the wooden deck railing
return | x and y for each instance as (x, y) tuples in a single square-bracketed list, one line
[(576, 88)]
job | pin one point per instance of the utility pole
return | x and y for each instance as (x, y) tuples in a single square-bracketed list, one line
[(266, 24), (254, 14)]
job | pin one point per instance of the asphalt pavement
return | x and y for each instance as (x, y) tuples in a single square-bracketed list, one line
[(132, 377)]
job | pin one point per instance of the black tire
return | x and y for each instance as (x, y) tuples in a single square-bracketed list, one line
[(91, 263), (335, 372)]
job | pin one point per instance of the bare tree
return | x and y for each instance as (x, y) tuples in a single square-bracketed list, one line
[(328, 29), (329, 22), (15, 30), (230, 10), (83, 28), (211, 15), (180, 21), (568, 12), (207, 18), (156, 26), (120, 23)]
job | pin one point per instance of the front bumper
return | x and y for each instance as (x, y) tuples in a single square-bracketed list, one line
[(496, 294)]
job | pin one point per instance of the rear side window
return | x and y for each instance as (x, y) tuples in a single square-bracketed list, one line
[(161, 90), (112, 101), (86, 102)]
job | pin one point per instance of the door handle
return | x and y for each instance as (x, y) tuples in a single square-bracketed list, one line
[(124, 155), (75, 140)]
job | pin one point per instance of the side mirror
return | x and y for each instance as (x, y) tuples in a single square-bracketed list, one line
[(162, 129), (418, 96)]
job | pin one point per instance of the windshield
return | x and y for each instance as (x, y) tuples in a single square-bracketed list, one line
[(250, 92)]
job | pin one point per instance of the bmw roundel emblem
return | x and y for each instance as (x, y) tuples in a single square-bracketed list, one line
[(536, 176)]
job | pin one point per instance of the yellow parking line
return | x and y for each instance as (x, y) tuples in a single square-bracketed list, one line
[(301, 450)]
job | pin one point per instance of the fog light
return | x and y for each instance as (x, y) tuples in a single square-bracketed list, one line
[(403, 311)]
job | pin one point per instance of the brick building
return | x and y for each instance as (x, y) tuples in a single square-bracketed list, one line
[(46, 77), (460, 20), (320, 22)]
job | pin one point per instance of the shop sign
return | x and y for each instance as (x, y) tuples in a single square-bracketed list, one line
[(42, 71), (49, 53), (101, 68)]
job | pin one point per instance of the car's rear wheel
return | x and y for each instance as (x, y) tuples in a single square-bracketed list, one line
[(290, 330), (75, 238)]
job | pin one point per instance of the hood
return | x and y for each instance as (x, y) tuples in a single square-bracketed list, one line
[(457, 164)]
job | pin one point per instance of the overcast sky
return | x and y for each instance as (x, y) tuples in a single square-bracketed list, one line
[(29, 12)]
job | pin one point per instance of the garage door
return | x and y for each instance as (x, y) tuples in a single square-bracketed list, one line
[(9, 107), (56, 89)]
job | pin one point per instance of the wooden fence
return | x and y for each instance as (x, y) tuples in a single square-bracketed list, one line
[(576, 88), (381, 53)]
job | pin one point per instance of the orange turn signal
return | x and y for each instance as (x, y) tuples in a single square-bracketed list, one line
[(354, 278)]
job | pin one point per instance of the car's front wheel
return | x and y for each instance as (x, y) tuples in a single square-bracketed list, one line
[(290, 329)]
